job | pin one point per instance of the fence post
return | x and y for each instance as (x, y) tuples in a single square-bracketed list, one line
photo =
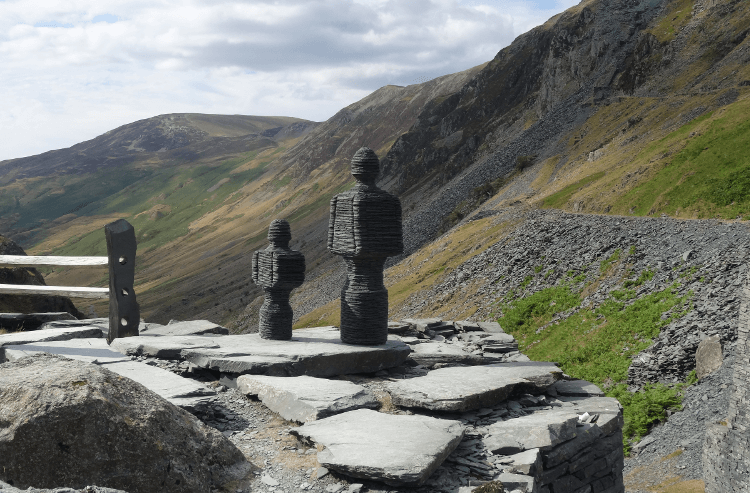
[(124, 314)]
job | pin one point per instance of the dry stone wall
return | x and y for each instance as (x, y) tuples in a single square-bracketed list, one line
[(726, 452)]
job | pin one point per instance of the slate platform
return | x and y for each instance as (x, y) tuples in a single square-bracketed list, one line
[(316, 352)]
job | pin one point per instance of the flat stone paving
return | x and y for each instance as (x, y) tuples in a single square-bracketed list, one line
[(315, 352), (303, 399), (57, 334), (472, 387), (182, 392), (188, 328), (430, 353), (399, 450)]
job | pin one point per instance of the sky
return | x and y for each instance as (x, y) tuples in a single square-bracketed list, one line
[(70, 71)]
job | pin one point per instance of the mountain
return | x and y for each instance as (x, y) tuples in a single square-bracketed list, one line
[(587, 112)]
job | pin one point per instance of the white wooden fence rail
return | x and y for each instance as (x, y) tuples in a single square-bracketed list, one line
[(70, 291)]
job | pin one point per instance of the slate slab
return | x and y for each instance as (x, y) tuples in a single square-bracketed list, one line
[(31, 321), (492, 327), (708, 357), (467, 326), (183, 392), (61, 334), (399, 450), (429, 353), (577, 388), (188, 328), (166, 347), (541, 430), (315, 352), (422, 324), (304, 399), (85, 322), (472, 387)]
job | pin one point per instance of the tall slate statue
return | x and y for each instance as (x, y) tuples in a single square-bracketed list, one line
[(278, 270), (365, 229)]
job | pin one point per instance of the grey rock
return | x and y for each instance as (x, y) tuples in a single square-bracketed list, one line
[(528, 462), (183, 392), (541, 430), (423, 324), (708, 356), (103, 323), (592, 404), (45, 335), (467, 326), (645, 442), (521, 482), (577, 388), (473, 387), (430, 353), (365, 228), (492, 327), (188, 328), (6, 488), (399, 450), (74, 423), (30, 321), (304, 398), (398, 327), (317, 352)]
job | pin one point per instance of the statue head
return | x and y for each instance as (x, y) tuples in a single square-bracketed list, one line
[(365, 166), (279, 233)]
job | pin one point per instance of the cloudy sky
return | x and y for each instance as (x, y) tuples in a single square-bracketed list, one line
[(72, 70)]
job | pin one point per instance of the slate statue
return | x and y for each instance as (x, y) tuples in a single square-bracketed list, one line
[(365, 229), (278, 270)]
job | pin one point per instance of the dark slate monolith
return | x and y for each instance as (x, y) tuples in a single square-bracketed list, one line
[(278, 270), (365, 229), (124, 313)]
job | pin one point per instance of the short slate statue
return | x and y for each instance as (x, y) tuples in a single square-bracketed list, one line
[(278, 270), (365, 228)]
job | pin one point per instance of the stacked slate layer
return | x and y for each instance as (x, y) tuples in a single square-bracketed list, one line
[(365, 228), (726, 451), (277, 269)]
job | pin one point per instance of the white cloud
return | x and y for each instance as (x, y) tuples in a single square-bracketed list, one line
[(73, 70)]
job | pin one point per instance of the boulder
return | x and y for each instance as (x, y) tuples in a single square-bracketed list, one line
[(472, 387), (304, 398), (183, 392), (70, 423), (708, 357), (399, 450), (535, 431)]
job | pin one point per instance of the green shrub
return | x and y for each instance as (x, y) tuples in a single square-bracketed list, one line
[(644, 408)]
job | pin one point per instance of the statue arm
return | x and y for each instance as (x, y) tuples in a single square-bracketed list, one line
[(255, 267), (331, 222)]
